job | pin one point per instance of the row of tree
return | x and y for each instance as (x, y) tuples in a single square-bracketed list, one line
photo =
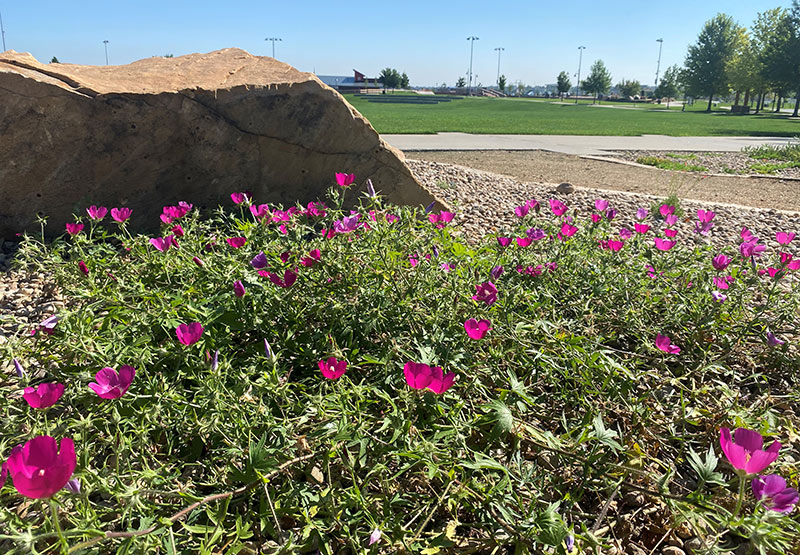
[(390, 78), (726, 58)]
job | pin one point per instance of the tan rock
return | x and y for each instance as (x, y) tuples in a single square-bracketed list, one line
[(193, 128)]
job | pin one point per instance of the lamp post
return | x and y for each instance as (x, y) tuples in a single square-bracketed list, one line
[(580, 59), (471, 45), (658, 65), (272, 40), (2, 32), (105, 45), (499, 50)]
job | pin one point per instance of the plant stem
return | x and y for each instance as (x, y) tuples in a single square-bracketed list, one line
[(738, 508), (57, 525)]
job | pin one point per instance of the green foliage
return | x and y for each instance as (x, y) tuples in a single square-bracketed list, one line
[(501, 83), (668, 86), (629, 88), (708, 60), (770, 168), (54, 60), (789, 152), (404, 81), (461, 82), (599, 80), (390, 78), (666, 164), (563, 83), (565, 400), (671, 200)]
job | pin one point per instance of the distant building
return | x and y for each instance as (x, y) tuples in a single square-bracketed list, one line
[(344, 83)]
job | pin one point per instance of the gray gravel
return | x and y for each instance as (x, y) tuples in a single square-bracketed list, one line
[(714, 162), (485, 203)]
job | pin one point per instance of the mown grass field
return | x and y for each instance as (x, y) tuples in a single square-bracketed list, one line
[(524, 116)]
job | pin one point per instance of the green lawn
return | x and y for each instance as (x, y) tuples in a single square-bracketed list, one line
[(531, 117)]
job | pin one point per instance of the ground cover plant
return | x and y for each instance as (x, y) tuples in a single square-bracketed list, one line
[(524, 116), (670, 164), (313, 378)]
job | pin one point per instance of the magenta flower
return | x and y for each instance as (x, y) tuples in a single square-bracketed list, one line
[(260, 211), (751, 248), (97, 213), (238, 288), (332, 368), (289, 277), (45, 395), (83, 268), (772, 491), (568, 230), (40, 468), (663, 244), (485, 292), (504, 241), (671, 219), (746, 234), (496, 272), (722, 282), (536, 234), (773, 341), (601, 205), (784, 238), (236, 242), (720, 262), (663, 342), (521, 211), (74, 229), (641, 228), (625, 233), (198, 262), (670, 233), (120, 215), (705, 216), (523, 241), (557, 207), (239, 198), (47, 325), (18, 368), (110, 384), (666, 210), (642, 213), (375, 536), (347, 224), (746, 450), (703, 228), (719, 297), (345, 179), (418, 376), (615, 246), (440, 382), (443, 218), (611, 214), (259, 261), (476, 329), (596, 218), (313, 257), (161, 243), (177, 230), (189, 334), (73, 486)]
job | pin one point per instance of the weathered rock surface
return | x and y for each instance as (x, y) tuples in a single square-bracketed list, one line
[(160, 130)]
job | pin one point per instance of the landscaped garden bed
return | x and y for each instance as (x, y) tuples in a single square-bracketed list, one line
[(259, 378)]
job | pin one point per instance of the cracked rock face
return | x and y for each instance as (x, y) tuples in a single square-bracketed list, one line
[(194, 128)]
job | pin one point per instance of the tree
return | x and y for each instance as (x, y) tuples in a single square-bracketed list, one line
[(389, 78), (54, 60), (629, 88), (404, 81), (782, 54), (599, 80), (763, 39), (708, 60), (669, 85), (501, 83), (563, 83), (461, 83), (743, 69)]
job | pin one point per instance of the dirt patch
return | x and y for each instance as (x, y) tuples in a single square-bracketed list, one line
[(552, 167)]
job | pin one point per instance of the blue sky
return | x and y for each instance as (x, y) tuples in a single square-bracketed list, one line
[(427, 39)]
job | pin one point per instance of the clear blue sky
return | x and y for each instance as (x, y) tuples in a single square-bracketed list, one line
[(426, 39)]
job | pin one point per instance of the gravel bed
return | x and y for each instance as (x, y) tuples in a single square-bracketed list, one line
[(484, 203), (737, 163)]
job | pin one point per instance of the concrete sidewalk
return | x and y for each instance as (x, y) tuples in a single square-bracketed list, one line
[(576, 144)]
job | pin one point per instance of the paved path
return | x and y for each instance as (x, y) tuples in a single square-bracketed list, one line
[(575, 144)]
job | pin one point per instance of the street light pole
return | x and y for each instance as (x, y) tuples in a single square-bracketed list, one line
[(580, 59), (499, 50), (2, 32), (273, 39), (658, 66), (105, 45), (471, 45)]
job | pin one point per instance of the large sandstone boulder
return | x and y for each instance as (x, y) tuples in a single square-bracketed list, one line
[(160, 130)]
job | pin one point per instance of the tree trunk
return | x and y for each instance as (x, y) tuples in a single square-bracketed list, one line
[(778, 99), (710, 99), (746, 98), (736, 99), (796, 103)]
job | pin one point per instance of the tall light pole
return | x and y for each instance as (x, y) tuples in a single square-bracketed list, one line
[(273, 39), (499, 50), (3, 32), (471, 45), (105, 45), (580, 59), (658, 66)]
